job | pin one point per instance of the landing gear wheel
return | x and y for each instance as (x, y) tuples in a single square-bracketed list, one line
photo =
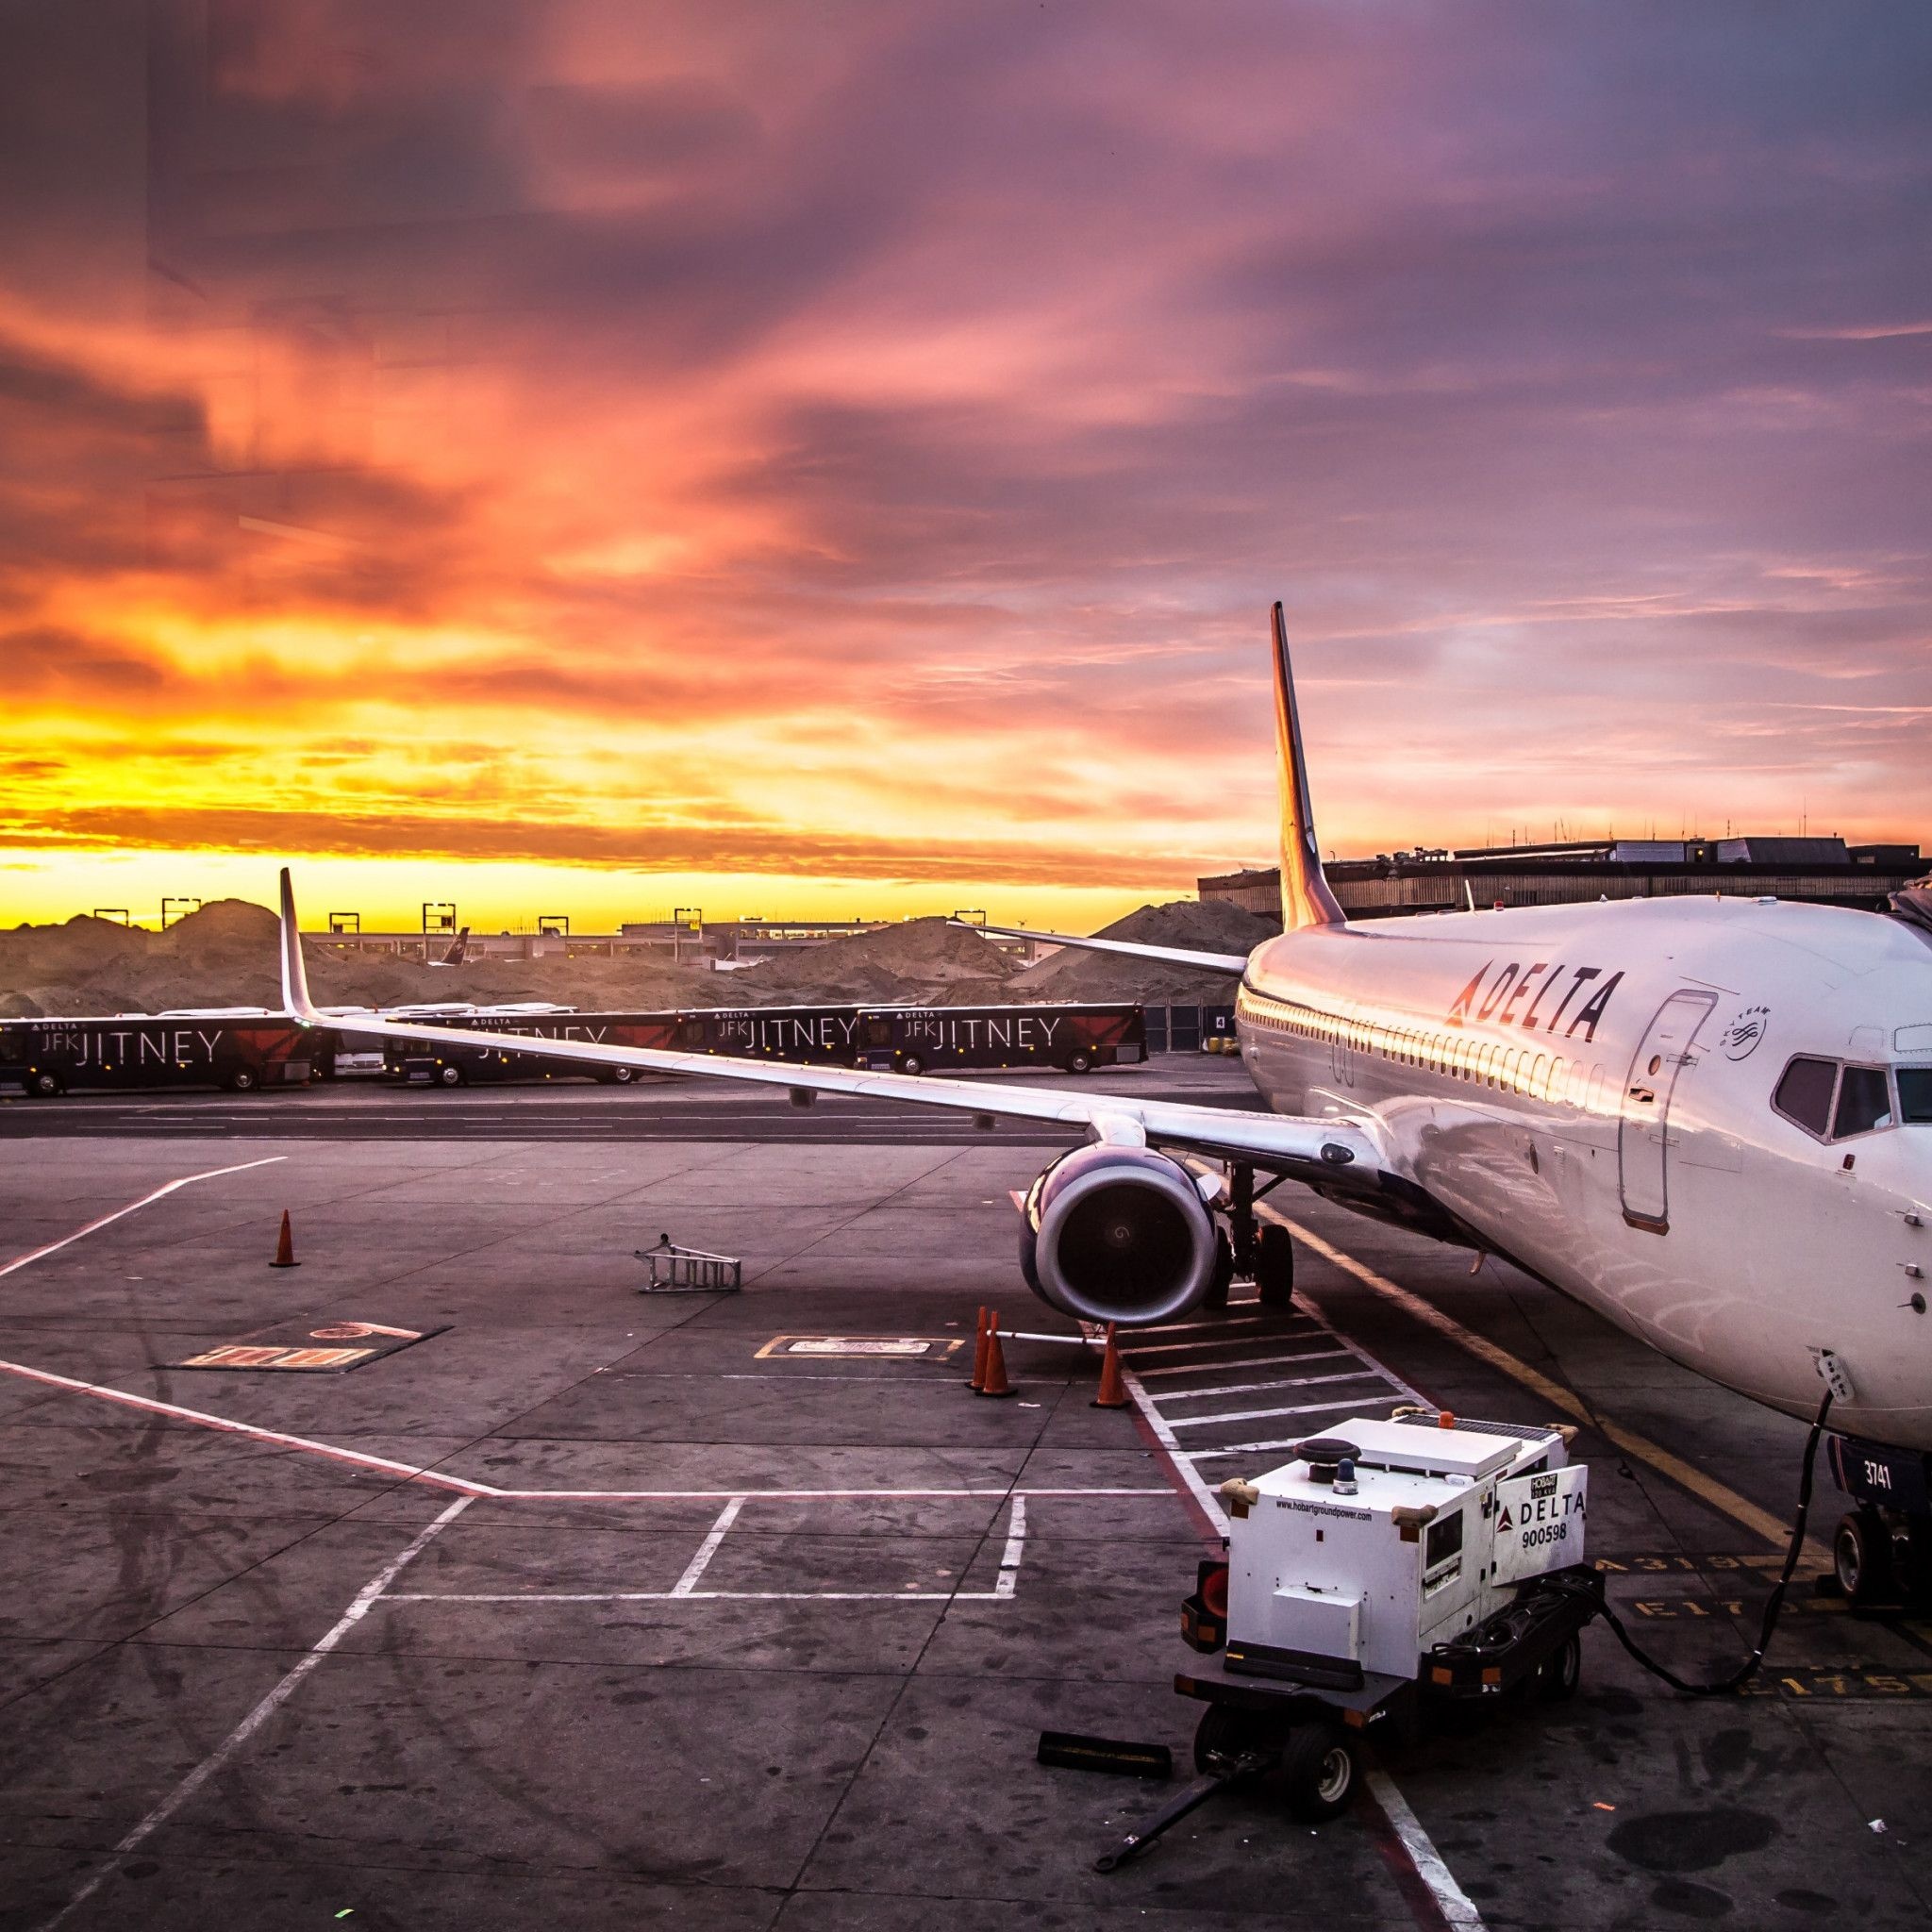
[(1560, 1672), (449, 1076), (1861, 1555), (1225, 1731), (1275, 1267), (1318, 1772), (1218, 1282)]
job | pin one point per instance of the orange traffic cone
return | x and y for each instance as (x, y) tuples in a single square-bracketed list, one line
[(285, 1248), (1113, 1388), (994, 1381), (979, 1377)]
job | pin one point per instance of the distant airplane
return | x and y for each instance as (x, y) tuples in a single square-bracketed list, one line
[(1708, 1118), (458, 947)]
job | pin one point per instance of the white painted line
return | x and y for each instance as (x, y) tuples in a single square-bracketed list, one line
[(788, 1495), (1249, 1448), (1172, 1395), (369, 1594), (1451, 1900), (708, 1548), (1260, 1361), (1220, 1322), (1016, 1546), (356, 1457), (711, 1596), (1185, 1347), (1178, 1458), (1260, 1415), (134, 1208)]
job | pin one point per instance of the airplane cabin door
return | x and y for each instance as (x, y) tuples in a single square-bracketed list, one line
[(1643, 1131)]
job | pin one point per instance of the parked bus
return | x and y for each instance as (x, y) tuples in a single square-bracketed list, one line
[(458, 1066), (938, 1040), (805, 1036), (240, 1052)]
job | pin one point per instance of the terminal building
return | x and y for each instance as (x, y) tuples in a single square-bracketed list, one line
[(1827, 871)]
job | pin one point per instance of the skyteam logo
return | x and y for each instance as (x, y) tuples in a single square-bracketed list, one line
[(1741, 1038)]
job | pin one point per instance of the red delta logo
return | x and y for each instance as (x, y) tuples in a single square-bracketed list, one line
[(1496, 993)]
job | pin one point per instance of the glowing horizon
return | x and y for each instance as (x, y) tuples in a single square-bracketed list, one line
[(783, 467)]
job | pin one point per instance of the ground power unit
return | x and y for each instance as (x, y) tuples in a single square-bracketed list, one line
[(1394, 1559)]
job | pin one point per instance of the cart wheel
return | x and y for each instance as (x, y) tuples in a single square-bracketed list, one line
[(1226, 1729), (1318, 1772), (449, 1076), (1275, 1267), (1860, 1556), (1559, 1674)]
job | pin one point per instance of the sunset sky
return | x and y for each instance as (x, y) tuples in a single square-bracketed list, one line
[(589, 456)]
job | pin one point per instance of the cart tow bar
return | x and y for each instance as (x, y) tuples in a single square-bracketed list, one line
[(1238, 1766)]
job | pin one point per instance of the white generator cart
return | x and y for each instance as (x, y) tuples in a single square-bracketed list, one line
[(1391, 1562)]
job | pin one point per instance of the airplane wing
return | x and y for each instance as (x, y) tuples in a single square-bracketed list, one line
[(1333, 1151), (1234, 964)]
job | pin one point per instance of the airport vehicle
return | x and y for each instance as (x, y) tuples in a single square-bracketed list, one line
[(238, 1050), (1707, 1119), (1390, 1561), (1393, 1564), (919, 1039), (451, 1062)]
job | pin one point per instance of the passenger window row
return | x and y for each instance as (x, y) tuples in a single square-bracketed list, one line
[(1833, 1100), (1456, 1056)]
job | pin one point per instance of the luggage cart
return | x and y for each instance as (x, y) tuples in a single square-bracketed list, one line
[(671, 1269), (1394, 1565)]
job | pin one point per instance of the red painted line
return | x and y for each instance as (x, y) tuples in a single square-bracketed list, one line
[(355, 1457)]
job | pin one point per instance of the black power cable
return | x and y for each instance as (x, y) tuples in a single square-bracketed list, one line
[(1748, 1668)]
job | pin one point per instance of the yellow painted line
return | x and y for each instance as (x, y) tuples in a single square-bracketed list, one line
[(1705, 1488)]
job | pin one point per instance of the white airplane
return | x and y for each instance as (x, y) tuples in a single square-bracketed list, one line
[(1707, 1119)]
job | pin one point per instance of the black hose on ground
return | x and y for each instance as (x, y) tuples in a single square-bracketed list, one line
[(1748, 1668)]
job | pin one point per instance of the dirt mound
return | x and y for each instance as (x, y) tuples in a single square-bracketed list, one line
[(1211, 926), (911, 963)]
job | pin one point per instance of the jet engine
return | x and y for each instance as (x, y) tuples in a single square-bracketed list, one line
[(1117, 1234)]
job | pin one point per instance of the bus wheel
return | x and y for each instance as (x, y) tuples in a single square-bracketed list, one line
[(623, 1075), (42, 1085), (912, 1064), (449, 1076), (243, 1081), (1081, 1062)]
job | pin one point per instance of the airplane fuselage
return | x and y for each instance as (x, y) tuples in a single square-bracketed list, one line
[(1603, 1093)]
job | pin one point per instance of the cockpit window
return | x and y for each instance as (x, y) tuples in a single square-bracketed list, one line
[(1804, 1094), (1864, 1102), (1915, 1096)]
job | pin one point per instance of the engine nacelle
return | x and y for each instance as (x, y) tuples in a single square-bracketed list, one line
[(1117, 1234)]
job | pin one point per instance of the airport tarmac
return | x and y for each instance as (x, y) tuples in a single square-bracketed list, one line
[(743, 1611)]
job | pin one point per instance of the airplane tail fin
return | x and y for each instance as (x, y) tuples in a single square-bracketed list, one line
[(1305, 897), (295, 998), (459, 948)]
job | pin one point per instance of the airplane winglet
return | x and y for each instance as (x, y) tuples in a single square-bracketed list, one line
[(295, 998), (1307, 898)]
